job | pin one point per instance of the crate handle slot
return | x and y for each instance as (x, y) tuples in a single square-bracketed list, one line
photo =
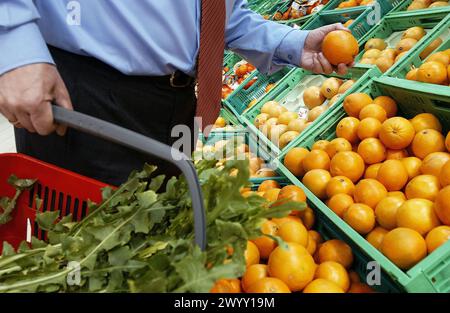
[(138, 142)]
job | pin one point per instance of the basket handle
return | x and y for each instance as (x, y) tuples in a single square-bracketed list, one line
[(138, 142)]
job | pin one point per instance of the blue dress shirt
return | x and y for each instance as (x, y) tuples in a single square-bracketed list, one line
[(138, 37)]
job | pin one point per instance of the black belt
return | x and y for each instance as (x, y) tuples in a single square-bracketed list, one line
[(180, 80)]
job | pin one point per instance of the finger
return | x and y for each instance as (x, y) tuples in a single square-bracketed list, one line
[(25, 121), (42, 119), (342, 69), (327, 68), (62, 98), (317, 68), (8, 115), (336, 26)]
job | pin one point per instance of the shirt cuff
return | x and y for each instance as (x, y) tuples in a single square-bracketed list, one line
[(21, 46), (289, 52)]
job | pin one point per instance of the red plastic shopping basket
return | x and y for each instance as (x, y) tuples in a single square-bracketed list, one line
[(59, 189)]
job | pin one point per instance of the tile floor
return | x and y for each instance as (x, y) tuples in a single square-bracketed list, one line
[(7, 143)]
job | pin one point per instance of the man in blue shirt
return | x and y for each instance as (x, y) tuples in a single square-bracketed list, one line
[(114, 60)]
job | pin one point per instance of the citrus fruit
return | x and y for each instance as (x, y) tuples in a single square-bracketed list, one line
[(437, 237), (412, 165), (404, 247), (337, 251), (330, 87), (368, 128), (297, 125), (432, 72), (384, 63), (317, 180), (447, 141), (311, 246), (314, 235), (253, 274), (415, 32), (375, 43), (334, 272), (427, 141), (354, 103), (265, 244), (269, 285), (430, 48), (347, 128), (226, 286), (405, 44), (372, 151), (376, 236), (268, 184), (372, 171), (392, 154), (294, 160), (386, 212), (360, 217), (442, 205), (340, 47), (291, 193), (340, 184), (346, 86), (333, 100), (339, 203), (412, 74), (397, 194), (321, 285), (287, 117), (312, 97), (320, 145), (444, 175), (389, 53), (316, 159), (417, 214), (337, 145), (371, 54), (388, 104), (292, 264), (424, 121), (271, 195), (286, 138), (314, 113), (294, 232), (393, 175), (251, 254), (369, 192), (308, 218), (348, 164), (423, 187), (396, 133), (434, 162)]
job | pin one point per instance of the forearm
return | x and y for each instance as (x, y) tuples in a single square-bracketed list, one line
[(21, 42)]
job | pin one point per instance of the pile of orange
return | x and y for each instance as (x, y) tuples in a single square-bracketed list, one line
[(240, 73), (386, 176), (435, 69), (426, 4), (353, 3), (282, 126), (304, 263), (378, 53)]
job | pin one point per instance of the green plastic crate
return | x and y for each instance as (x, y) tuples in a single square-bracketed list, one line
[(293, 86), (385, 5), (442, 31), (432, 274), (392, 27), (403, 5)]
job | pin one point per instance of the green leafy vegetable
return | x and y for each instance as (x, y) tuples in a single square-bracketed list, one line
[(7, 205)]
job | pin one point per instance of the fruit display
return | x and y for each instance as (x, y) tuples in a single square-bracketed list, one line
[(296, 9), (290, 256), (233, 77), (426, 4), (386, 176), (435, 68), (353, 3)]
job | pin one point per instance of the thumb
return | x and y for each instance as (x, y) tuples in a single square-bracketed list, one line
[(62, 98), (336, 26)]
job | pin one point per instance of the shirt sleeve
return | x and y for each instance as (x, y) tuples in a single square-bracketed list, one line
[(21, 42), (266, 44)]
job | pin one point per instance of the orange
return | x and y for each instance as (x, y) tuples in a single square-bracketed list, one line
[(371, 54), (253, 274), (291, 193), (432, 72), (308, 218), (286, 117), (293, 265), (312, 97), (412, 74), (360, 217), (367, 61), (280, 221), (333, 100), (337, 251), (405, 44), (251, 254), (389, 53), (340, 47), (424, 121), (226, 286), (271, 195), (286, 138), (354, 102), (314, 113), (384, 63), (444, 175), (316, 159), (320, 145), (417, 214), (399, 56), (427, 141), (438, 4), (392, 154), (369, 192), (386, 212), (294, 160), (397, 194), (442, 205), (368, 128), (346, 86), (311, 246), (337, 145), (412, 165), (269, 285), (317, 180), (447, 140), (397, 133), (372, 151), (321, 285), (348, 23), (348, 164), (268, 184), (330, 87), (415, 32), (440, 57), (360, 288), (431, 47), (297, 125), (437, 237), (340, 184), (340, 203), (423, 187), (388, 104), (376, 236), (373, 110), (334, 272), (375, 43), (265, 244), (294, 232), (315, 236), (393, 175), (347, 129), (434, 162), (372, 171), (404, 247)]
